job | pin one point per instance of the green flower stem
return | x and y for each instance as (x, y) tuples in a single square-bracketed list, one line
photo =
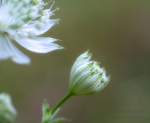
[(69, 94)]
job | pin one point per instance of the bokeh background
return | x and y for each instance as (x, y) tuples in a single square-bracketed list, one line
[(117, 32)]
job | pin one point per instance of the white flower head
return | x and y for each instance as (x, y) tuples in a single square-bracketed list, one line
[(86, 76), (7, 111), (22, 21)]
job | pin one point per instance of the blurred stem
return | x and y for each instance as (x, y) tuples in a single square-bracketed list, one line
[(69, 94)]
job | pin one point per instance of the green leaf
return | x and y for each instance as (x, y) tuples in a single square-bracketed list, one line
[(46, 116), (55, 113), (45, 106), (61, 119), (46, 112)]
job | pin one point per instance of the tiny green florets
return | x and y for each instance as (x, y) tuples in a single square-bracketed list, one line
[(35, 2)]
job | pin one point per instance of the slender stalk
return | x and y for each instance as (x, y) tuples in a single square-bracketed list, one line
[(69, 94)]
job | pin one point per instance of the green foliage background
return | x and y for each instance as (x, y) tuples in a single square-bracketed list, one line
[(118, 34)]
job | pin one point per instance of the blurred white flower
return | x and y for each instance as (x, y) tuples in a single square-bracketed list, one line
[(22, 21), (7, 111), (86, 76)]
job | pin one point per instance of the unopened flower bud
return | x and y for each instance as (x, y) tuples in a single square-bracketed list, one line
[(26, 2), (86, 76), (39, 25), (7, 111), (35, 2), (34, 9), (31, 34), (32, 15), (20, 23)]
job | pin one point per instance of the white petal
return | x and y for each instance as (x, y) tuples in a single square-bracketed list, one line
[(82, 59), (32, 27), (5, 51), (79, 74), (90, 86), (8, 50), (38, 44)]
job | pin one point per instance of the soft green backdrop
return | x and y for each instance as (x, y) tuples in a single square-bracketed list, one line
[(117, 32)]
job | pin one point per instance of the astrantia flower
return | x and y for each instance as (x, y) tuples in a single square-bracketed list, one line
[(7, 110), (22, 21), (86, 76)]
